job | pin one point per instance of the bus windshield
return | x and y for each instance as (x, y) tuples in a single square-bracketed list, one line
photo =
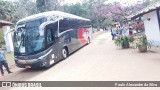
[(28, 38)]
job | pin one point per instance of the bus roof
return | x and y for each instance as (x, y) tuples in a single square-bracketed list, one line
[(49, 13)]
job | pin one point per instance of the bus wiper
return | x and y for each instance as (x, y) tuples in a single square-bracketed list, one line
[(21, 43), (22, 36)]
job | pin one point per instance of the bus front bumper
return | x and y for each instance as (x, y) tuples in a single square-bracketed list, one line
[(34, 63)]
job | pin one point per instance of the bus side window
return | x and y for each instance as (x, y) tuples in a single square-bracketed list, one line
[(63, 25)]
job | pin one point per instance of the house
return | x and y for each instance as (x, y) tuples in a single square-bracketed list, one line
[(5, 25), (151, 19)]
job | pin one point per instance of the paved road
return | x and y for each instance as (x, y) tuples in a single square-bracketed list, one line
[(99, 61)]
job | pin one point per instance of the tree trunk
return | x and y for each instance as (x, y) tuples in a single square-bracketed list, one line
[(98, 23)]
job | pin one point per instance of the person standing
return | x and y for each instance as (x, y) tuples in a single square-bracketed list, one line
[(114, 33), (124, 31), (4, 63), (130, 30)]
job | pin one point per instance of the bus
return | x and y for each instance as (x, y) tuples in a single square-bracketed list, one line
[(43, 39)]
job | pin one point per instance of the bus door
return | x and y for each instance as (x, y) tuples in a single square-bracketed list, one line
[(52, 42), (66, 34)]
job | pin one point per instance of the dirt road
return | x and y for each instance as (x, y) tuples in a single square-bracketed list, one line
[(99, 61)]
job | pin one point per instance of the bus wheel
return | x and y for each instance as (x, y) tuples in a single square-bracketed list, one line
[(64, 53)]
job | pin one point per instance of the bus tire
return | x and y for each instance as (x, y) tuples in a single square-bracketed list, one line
[(64, 53)]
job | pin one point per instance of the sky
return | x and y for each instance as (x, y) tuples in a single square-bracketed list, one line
[(124, 2)]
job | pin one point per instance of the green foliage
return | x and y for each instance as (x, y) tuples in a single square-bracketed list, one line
[(1, 37), (41, 6), (131, 39), (10, 58), (13, 11), (76, 9), (107, 23), (48, 5), (6, 10), (123, 41), (86, 10), (142, 41), (117, 30), (23, 9)]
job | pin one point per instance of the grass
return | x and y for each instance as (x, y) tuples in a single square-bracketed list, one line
[(10, 58)]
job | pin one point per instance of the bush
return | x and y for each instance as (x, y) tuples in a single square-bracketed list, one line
[(1, 37), (123, 41)]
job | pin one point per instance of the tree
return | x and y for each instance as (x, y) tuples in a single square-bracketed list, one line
[(76, 9), (115, 11), (41, 5), (146, 3), (90, 6), (107, 23), (6, 10), (48, 5), (53, 4), (24, 9), (96, 10)]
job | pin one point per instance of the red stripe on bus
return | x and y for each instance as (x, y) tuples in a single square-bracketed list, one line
[(81, 37)]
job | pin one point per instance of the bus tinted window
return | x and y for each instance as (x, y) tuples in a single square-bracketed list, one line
[(27, 39), (51, 33), (63, 25)]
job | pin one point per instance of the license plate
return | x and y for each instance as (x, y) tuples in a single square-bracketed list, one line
[(27, 66)]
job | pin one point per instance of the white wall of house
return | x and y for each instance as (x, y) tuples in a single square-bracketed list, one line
[(8, 38), (152, 29)]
